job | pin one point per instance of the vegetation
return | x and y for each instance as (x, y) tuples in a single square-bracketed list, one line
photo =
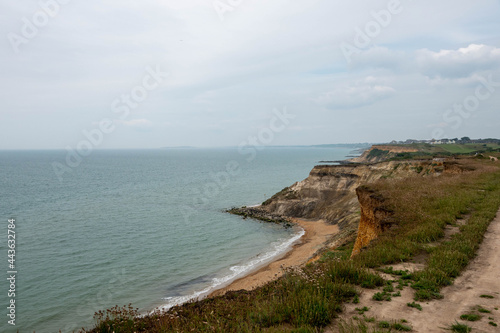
[(460, 328), (396, 326), (362, 310), (415, 305), (384, 296), (405, 275), (469, 148), (423, 207), (308, 299), (401, 327), (428, 151), (357, 326), (377, 153), (384, 324), (470, 317), (483, 310)]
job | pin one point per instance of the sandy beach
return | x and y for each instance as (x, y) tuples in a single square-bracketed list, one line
[(316, 234)]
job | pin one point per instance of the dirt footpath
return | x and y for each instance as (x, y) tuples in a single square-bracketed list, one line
[(482, 277)]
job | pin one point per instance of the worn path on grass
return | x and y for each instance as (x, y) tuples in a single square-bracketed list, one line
[(481, 277)]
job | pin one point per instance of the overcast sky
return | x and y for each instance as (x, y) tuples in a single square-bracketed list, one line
[(348, 71)]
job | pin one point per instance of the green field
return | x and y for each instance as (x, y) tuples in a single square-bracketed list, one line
[(426, 149), (468, 148)]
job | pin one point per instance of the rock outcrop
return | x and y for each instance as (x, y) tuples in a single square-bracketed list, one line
[(374, 218)]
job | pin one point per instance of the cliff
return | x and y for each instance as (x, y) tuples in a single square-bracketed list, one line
[(374, 218), (329, 194)]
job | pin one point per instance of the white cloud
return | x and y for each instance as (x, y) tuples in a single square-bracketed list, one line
[(458, 63)]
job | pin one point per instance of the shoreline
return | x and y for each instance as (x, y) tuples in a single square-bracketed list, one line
[(317, 233), (208, 291)]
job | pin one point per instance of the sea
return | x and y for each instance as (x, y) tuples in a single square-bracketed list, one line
[(146, 227)]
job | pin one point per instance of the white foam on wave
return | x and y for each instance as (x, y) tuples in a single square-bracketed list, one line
[(253, 206), (236, 272)]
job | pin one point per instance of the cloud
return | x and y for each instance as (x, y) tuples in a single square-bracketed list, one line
[(360, 93), (459, 63)]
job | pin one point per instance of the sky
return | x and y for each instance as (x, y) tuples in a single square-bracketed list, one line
[(163, 73)]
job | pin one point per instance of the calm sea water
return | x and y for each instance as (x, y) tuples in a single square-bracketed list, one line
[(143, 227)]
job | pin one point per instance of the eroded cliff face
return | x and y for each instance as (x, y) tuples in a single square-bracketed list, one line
[(329, 193), (374, 218)]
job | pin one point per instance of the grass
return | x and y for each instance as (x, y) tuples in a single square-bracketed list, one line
[(483, 310), (487, 296), (377, 153), (369, 319), (308, 299), (415, 305), (470, 317), (383, 296), (357, 327), (117, 319), (401, 327), (468, 148), (405, 275), (395, 325), (389, 288), (422, 209), (362, 310), (460, 328), (342, 253), (384, 324)]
